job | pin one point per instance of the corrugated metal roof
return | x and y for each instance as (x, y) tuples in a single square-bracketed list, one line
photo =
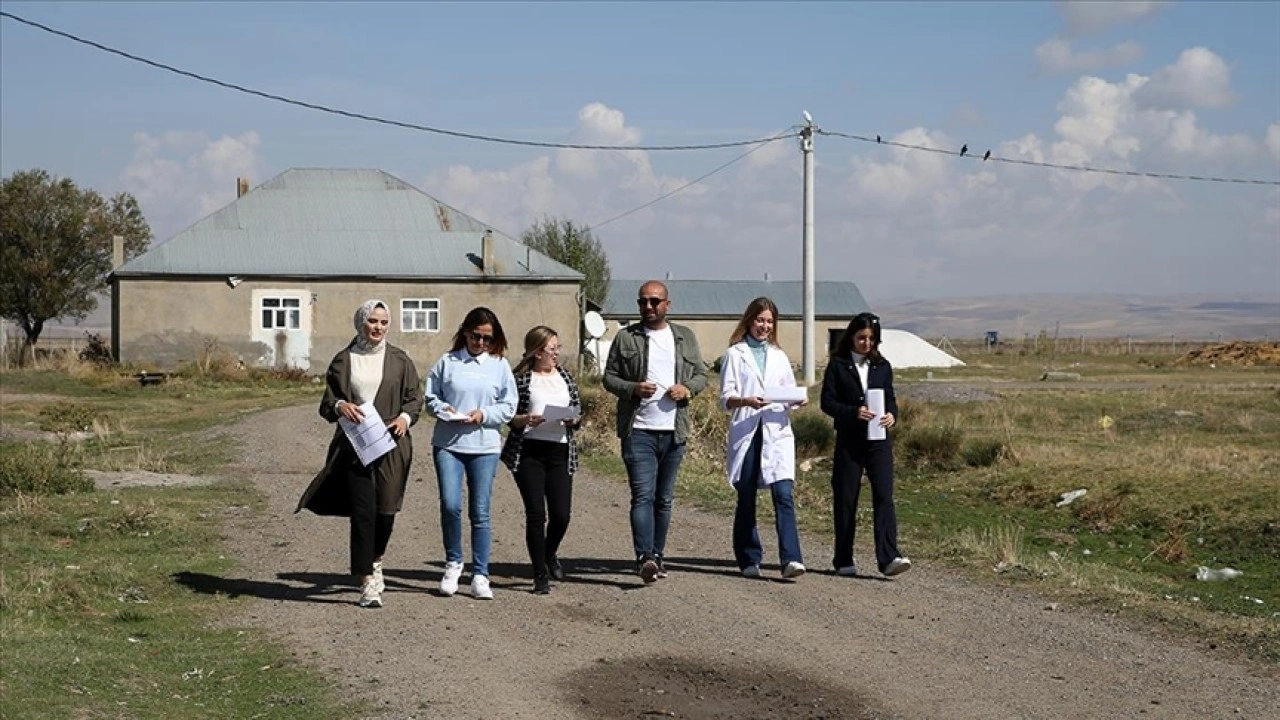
[(728, 298), (350, 223)]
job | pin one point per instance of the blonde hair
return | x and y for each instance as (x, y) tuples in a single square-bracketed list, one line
[(534, 340), (754, 308)]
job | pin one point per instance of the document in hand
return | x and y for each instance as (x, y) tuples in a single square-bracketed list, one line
[(370, 437), (553, 413), (875, 403), (788, 394), (452, 416)]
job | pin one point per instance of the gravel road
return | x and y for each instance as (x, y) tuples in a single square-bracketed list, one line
[(703, 643)]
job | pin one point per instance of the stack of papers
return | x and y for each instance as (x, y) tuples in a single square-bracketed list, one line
[(370, 437)]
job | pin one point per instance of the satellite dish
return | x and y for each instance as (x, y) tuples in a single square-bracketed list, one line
[(594, 324)]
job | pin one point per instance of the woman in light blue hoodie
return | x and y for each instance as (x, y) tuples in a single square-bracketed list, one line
[(472, 393)]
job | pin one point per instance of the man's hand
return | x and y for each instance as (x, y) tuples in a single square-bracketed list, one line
[(645, 390), (679, 392)]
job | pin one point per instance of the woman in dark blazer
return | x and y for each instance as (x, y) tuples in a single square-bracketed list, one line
[(856, 365), (368, 369)]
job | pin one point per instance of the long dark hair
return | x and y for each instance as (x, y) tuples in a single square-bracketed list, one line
[(861, 321), (754, 308), (474, 319)]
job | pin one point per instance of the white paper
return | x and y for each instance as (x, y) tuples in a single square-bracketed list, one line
[(786, 394), (553, 413), (875, 403), (452, 416), (370, 437)]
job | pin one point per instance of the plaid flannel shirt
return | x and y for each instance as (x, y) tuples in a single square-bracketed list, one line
[(515, 439)]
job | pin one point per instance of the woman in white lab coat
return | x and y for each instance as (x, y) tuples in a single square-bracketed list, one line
[(762, 453)]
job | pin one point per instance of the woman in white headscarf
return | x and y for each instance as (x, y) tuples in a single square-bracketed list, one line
[(368, 370)]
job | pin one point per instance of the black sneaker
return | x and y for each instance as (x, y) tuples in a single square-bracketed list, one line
[(554, 567), (541, 585), (648, 569), (662, 568)]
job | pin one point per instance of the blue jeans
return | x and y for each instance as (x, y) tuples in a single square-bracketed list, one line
[(653, 459), (479, 471), (746, 538)]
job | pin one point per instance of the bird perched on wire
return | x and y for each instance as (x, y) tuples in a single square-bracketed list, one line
[(964, 149), (987, 156)]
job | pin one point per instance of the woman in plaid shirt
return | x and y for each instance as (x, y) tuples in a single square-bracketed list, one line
[(542, 455)]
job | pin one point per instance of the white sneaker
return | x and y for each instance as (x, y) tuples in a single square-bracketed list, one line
[(847, 571), (480, 589), (897, 566), (370, 596), (378, 581), (751, 571), (793, 570), (449, 583)]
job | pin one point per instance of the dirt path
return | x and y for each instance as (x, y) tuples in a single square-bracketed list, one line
[(703, 643)]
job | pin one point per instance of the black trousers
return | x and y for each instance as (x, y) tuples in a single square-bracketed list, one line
[(547, 489), (852, 457), (370, 530)]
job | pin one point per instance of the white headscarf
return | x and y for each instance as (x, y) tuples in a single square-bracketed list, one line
[(362, 343)]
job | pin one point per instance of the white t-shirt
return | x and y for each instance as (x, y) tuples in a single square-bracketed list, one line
[(547, 390), (659, 412)]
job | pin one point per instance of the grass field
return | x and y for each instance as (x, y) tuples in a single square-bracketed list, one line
[(1181, 467), (94, 624)]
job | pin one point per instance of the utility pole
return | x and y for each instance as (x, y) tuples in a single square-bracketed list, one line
[(806, 147)]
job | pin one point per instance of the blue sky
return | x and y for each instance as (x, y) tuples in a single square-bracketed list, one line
[(1164, 87)]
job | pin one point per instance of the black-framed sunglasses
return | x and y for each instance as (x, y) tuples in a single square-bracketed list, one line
[(650, 301), (479, 338)]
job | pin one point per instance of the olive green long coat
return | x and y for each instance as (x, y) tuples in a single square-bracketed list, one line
[(400, 392)]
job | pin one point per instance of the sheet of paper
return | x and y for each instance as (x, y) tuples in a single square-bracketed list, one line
[(554, 413), (875, 403), (452, 415), (792, 394), (370, 437)]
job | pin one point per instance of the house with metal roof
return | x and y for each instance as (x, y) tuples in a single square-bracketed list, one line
[(274, 278), (712, 308)]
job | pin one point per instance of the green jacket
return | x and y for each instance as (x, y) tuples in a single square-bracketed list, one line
[(628, 365)]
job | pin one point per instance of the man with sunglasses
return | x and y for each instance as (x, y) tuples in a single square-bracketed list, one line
[(654, 368)]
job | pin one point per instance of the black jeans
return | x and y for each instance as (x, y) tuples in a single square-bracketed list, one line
[(851, 458), (547, 489), (370, 530)]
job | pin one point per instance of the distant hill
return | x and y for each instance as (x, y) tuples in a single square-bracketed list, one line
[(1233, 317)]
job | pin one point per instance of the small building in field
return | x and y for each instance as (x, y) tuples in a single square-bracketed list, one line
[(274, 278)]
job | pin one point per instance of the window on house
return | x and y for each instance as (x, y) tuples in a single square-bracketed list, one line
[(281, 313), (420, 315)]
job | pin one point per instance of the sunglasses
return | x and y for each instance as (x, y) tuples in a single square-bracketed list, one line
[(476, 337), (650, 301)]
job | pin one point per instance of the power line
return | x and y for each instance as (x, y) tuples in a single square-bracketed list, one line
[(687, 185), (1056, 166), (374, 118)]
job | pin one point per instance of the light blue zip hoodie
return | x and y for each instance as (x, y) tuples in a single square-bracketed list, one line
[(465, 383)]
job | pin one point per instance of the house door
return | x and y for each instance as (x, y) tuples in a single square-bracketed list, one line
[(282, 323)]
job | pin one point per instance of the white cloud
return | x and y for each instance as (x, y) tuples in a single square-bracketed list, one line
[(179, 177), (1092, 16), (1056, 56), (1198, 79), (1273, 140)]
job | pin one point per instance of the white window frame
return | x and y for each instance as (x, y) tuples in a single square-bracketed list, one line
[(411, 309), (285, 312)]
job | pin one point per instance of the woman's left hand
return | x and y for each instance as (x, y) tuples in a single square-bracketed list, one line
[(887, 420), (398, 427)]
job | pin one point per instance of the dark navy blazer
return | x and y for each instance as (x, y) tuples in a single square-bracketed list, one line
[(843, 394)]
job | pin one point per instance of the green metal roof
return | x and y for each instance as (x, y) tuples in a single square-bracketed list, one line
[(729, 298), (340, 223)]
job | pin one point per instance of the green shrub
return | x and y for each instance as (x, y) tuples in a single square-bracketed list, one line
[(67, 417), (983, 452), (937, 447), (39, 470), (814, 433)]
